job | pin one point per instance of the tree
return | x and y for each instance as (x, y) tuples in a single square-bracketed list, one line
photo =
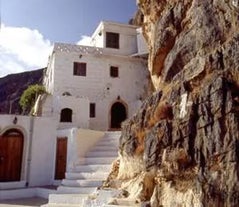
[(29, 96)]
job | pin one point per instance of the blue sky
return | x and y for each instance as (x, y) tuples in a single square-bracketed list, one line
[(30, 27)]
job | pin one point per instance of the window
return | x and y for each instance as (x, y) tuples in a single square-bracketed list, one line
[(114, 72), (66, 115), (92, 110), (79, 69), (66, 93), (112, 40)]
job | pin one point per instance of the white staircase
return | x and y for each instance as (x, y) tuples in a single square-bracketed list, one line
[(84, 179)]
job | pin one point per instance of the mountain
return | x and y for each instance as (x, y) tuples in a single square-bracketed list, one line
[(12, 87)]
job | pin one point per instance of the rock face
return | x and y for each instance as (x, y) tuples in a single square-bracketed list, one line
[(12, 87), (182, 147)]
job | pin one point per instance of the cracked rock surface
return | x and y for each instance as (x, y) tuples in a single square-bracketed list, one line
[(182, 147)]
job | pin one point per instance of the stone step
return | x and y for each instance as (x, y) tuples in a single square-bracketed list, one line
[(61, 205), (86, 175), (99, 160), (106, 145), (67, 198), (104, 148), (111, 137), (84, 180), (109, 140), (124, 202), (110, 205), (113, 133), (97, 153), (82, 183), (92, 168), (75, 190), (114, 142)]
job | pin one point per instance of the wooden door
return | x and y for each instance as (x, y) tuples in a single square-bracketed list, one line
[(3, 152), (11, 150), (61, 156)]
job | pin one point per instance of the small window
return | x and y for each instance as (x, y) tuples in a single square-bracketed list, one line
[(112, 40), (66, 93), (66, 115), (114, 72), (79, 69), (92, 110)]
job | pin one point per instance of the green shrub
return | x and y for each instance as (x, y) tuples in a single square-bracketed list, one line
[(29, 96)]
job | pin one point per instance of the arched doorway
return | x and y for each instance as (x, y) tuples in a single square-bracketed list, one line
[(118, 115), (11, 150)]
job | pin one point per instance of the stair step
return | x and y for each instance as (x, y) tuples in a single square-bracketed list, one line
[(60, 205), (104, 148), (86, 175), (82, 183), (111, 138), (110, 205), (108, 142), (92, 168), (97, 153), (67, 198), (125, 202), (75, 190), (99, 160), (115, 138), (113, 133), (84, 180)]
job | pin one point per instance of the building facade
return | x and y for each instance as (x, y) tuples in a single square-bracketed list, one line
[(89, 88), (110, 74)]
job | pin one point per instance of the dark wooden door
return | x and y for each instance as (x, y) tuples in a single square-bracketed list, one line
[(61, 156), (11, 150)]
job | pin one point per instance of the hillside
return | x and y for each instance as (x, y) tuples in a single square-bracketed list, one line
[(12, 87)]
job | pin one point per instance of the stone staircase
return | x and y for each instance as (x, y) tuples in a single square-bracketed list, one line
[(84, 179)]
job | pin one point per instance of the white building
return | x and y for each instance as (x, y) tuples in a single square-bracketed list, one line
[(109, 74), (89, 87)]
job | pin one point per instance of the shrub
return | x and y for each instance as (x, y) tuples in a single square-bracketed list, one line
[(29, 97)]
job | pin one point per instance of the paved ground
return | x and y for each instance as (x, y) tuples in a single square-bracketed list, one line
[(23, 202)]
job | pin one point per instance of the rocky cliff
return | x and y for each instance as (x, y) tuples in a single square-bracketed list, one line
[(12, 87), (182, 147)]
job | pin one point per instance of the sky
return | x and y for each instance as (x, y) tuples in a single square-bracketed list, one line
[(29, 28)]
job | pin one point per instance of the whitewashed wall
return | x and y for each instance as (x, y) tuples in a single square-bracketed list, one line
[(49, 74), (38, 151), (127, 40), (98, 86), (43, 152), (53, 105), (79, 141), (141, 42)]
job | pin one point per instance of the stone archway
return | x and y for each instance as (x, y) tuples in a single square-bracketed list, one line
[(118, 113), (11, 153)]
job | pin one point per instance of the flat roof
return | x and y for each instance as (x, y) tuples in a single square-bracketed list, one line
[(102, 23)]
